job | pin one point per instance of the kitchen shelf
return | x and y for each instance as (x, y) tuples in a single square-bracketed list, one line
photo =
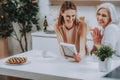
[(85, 2)]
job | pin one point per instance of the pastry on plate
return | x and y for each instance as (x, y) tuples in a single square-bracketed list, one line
[(16, 60)]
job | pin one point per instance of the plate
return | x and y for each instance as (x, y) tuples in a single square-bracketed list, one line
[(17, 60), (27, 62)]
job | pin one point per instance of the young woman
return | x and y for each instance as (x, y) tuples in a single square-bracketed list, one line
[(107, 18), (71, 30)]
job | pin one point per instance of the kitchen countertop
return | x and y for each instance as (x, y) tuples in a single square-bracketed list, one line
[(47, 66), (43, 34), (52, 35)]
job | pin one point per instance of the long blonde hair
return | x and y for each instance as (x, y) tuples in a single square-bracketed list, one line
[(79, 30), (65, 6)]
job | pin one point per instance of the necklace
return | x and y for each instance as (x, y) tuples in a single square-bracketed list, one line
[(68, 28)]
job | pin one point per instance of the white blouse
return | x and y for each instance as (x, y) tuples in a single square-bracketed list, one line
[(111, 37)]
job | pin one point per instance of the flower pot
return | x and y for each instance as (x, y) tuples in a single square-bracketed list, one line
[(105, 66), (3, 48)]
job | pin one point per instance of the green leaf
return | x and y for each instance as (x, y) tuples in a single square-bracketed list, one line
[(104, 52)]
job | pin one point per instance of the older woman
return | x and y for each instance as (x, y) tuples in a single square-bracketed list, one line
[(70, 30), (107, 18)]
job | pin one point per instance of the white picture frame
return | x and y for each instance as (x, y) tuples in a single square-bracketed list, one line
[(68, 49)]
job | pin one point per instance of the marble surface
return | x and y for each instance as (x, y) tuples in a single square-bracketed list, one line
[(47, 66), (43, 34)]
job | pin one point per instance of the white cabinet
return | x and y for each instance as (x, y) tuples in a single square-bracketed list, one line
[(48, 42), (43, 41)]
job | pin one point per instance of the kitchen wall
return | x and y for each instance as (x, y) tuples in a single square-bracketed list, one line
[(14, 46), (118, 13), (53, 11), (87, 11)]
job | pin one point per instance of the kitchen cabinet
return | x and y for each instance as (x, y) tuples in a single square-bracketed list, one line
[(85, 2), (48, 42), (44, 41)]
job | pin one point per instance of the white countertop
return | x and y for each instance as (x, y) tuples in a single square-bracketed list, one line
[(41, 66), (43, 34)]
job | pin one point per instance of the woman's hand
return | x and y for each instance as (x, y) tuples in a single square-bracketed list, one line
[(76, 57), (97, 36)]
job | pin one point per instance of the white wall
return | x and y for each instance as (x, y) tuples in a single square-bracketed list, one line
[(88, 11), (53, 13), (13, 44), (118, 11)]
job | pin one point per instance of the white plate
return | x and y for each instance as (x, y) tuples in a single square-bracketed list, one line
[(27, 62)]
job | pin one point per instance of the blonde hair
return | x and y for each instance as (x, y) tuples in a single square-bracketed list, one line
[(66, 6)]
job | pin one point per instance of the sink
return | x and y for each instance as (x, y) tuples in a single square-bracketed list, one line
[(114, 74)]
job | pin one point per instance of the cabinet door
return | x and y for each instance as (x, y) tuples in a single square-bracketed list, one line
[(45, 43)]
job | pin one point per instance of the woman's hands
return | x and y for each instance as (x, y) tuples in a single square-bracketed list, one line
[(97, 36), (76, 57)]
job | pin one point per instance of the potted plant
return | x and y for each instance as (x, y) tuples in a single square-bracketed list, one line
[(104, 53), (5, 31), (19, 19)]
